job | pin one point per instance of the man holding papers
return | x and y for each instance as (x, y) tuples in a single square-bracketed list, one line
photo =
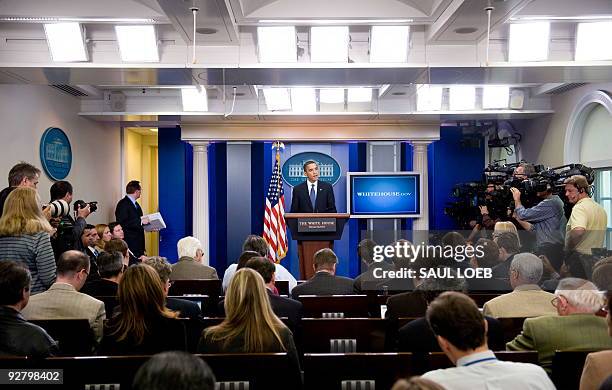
[(128, 213)]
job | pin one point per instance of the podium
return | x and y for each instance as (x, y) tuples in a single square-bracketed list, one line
[(314, 231)]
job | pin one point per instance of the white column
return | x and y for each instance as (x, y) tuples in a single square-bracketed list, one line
[(200, 196), (419, 164)]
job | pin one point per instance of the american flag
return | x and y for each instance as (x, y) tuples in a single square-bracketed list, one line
[(275, 229)]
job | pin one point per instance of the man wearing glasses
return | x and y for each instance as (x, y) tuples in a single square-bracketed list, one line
[(576, 327)]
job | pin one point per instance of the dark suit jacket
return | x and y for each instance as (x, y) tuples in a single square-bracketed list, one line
[(100, 288), (500, 271), (417, 337), (408, 304), (163, 334), (324, 203), (93, 266), (129, 218), (186, 308), (324, 283)]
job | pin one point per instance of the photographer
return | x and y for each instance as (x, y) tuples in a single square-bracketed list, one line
[(546, 217), (69, 229)]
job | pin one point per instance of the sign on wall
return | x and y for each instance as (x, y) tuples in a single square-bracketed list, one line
[(55, 153), (293, 168)]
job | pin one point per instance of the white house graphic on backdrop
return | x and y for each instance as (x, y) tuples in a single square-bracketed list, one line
[(297, 170)]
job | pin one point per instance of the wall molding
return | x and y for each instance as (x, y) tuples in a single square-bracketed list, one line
[(575, 126)]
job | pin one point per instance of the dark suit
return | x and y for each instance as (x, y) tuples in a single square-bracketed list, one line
[(417, 337), (408, 304), (128, 216), (101, 288), (94, 274), (186, 308), (324, 283), (325, 201)]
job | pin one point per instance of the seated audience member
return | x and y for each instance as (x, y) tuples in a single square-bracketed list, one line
[(250, 324), (24, 237), (118, 245), (527, 299), (88, 242), (117, 233), (407, 304), (508, 244), (189, 265), (366, 281), (143, 326), (104, 236), (63, 299), (576, 327), (324, 281), (598, 365), (110, 267), (17, 336), (489, 259), (231, 270), (176, 371), (416, 336), (458, 243), (461, 330), (281, 306), (185, 308), (255, 243), (602, 274), (505, 226)]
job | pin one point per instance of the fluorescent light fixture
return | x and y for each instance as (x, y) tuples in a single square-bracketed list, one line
[(389, 43), (462, 97), (25, 19), (194, 99), (429, 97), (328, 22), (276, 44), (552, 18), (331, 95), (277, 99), (137, 43), (592, 41), (529, 41), (495, 96), (359, 95), (329, 44), (66, 42), (303, 100)]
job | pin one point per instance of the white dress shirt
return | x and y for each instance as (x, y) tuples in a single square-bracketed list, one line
[(482, 371), (281, 274)]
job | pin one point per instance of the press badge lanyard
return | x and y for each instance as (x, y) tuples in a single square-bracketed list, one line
[(479, 361)]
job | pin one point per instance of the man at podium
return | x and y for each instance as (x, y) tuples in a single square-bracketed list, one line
[(313, 196)]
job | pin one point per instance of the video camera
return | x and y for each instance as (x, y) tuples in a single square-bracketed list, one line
[(494, 190)]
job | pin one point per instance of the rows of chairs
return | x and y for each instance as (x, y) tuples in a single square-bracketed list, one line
[(259, 371)]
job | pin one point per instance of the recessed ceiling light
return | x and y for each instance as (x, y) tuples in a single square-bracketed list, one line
[(137, 43), (529, 41), (277, 44), (465, 30), (66, 42), (206, 30), (329, 44)]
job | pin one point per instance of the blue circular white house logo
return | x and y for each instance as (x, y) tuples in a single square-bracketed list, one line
[(55, 153), (293, 168)]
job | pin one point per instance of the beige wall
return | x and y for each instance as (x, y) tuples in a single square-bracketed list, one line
[(544, 138), (27, 110)]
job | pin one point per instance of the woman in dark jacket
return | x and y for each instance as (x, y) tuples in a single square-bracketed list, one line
[(144, 325)]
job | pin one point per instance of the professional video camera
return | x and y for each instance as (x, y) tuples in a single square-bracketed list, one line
[(80, 204), (494, 190)]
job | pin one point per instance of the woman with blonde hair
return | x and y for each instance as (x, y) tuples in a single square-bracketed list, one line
[(144, 326), (104, 236), (250, 324), (25, 237)]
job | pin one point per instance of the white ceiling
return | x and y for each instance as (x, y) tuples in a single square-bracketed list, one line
[(447, 46)]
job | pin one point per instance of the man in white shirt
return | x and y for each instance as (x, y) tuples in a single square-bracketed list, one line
[(461, 331)]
